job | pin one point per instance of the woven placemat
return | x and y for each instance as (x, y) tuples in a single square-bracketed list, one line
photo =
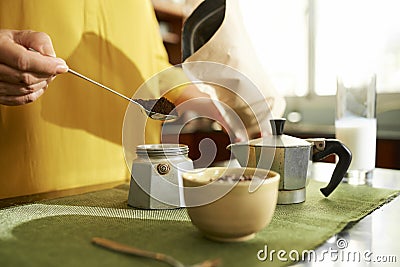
[(58, 232)]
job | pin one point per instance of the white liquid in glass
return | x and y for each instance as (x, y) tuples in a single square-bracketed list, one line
[(359, 135)]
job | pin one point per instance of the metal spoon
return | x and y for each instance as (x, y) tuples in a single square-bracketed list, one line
[(115, 246), (151, 114)]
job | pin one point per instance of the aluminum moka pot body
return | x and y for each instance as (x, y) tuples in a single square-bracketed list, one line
[(290, 157)]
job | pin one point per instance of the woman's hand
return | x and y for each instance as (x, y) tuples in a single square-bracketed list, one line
[(24, 74)]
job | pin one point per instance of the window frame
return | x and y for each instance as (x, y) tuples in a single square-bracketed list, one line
[(316, 113)]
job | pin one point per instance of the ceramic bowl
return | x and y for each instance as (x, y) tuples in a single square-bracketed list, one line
[(230, 210)]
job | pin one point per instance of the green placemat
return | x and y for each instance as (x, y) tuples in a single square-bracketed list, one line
[(58, 232)]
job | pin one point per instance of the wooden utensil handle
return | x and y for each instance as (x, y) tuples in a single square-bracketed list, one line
[(115, 246)]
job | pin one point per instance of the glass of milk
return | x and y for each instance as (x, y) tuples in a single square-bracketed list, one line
[(355, 123)]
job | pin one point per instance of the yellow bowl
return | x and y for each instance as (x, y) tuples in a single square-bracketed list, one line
[(230, 211)]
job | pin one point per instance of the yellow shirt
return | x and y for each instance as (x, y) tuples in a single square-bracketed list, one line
[(72, 135)]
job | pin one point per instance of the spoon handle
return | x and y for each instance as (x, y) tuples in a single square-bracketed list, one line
[(101, 85), (115, 246), (150, 113), (96, 83)]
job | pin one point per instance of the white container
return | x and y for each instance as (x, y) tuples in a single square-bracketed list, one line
[(355, 123), (156, 180)]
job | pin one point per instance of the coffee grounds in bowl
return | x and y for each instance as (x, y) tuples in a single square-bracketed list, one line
[(235, 178)]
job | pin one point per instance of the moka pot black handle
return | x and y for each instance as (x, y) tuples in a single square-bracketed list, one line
[(334, 146)]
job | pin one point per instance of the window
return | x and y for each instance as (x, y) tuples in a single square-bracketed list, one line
[(305, 44)]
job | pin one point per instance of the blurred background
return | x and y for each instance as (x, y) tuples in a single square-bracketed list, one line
[(303, 45)]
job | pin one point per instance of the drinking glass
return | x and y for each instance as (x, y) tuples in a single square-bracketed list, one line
[(355, 123)]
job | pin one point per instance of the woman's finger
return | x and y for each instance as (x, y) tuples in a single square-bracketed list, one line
[(19, 57), (20, 90), (14, 76), (21, 100), (39, 41)]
